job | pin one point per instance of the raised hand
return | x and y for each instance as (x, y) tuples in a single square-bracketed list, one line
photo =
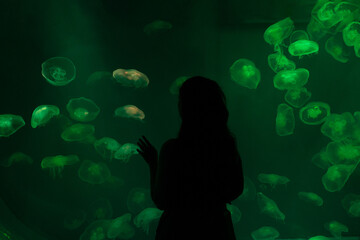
[(147, 151)]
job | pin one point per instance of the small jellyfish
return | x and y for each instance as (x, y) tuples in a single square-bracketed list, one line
[(126, 151), (314, 113), (131, 78), (336, 228), (139, 199), (157, 26), (82, 109), (351, 203), (99, 77), (146, 217), (269, 207), (130, 111), (56, 163), (74, 219), (319, 237), (350, 33), (303, 47), (16, 158), (278, 62), (289, 79), (336, 48), (96, 230), (175, 86), (299, 35), (345, 9), (277, 32), (120, 228), (322, 159), (9, 124), (79, 132), (106, 147), (235, 213), (42, 115), (343, 153), (58, 71), (311, 198), (285, 120), (265, 233), (100, 209), (316, 29), (338, 126), (273, 179), (327, 16), (297, 97), (94, 173), (245, 73), (336, 176)]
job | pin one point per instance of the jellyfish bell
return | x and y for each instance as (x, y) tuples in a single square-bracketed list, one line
[(94, 172), (130, 111), (82, 109), (301, 48), (314, 113), (277, 32), (131, 78), (56, 163), (9, 124), (245, 73), (58, 71), (43, 114)]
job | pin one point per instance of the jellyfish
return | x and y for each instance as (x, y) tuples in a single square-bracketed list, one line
[(139, 199), (100, 209), (82, 109), (297, 97), (79, 132), (269, 207), (56, 163), (9, 124), (351, 203), (299, 35), (322, 159), (249, 192), (58, 71), (303, 47), (277, 32), (336, 228), (245, 73), (120, 228), (338, 126), (273, 179), (94, 173), (336, 48), (157, 26), (130, 78), (125, 152), (16, 158), (311, 198), (289, 79), (357, 47), (314, 113), (130, 111), (326, 14), (278, 62), (350, 33), (106, 147), (99, 77), (285, 120), (74, 219), (42, 115), (175, 86), (345, 9), (319, 237), (343, 153), (146, 217), (265, 233), (235, 213), (336, 176), (316, 29), (96, 230)]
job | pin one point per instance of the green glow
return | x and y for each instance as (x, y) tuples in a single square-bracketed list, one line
[(9, 124), (350, 33), (138, 199), (303, 47), (235, 213), (16, 158), (338, 126), (131, 78), (285, 120), (269, 207), (100, 209), (337, 49), (343, 153), (319, 238), (93, 173), (351, 203), (146, 217), (175, 86), (322, 159), (58, 71), (278, 62), (78, 132), (265, 233), (120, 228), (297, 97), (314, 113), (273, 179), (326, 13), (126, 151), (96, 230), (74, 219), (316, 29), (299, 35), (43, 114), (357, 47), (56, 163), (289, 79), (130, 111), (82, 109), (336, 228), (311, 198), (157, 26), (336, 176), (277, 32), (106, 147), (245, 73)]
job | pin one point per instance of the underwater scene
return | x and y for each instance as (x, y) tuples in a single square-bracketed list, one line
[(83, 80)]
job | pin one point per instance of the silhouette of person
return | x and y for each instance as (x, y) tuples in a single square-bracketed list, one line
[(198, 172)]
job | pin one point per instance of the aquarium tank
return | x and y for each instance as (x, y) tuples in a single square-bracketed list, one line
[(82, 81)]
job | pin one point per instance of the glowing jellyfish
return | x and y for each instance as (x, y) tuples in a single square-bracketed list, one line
[(139, 199), (100, 209), (336, 228), (245, 73), (58, 71), (106, 147), (9, 124), (297, 97), (79, 132), (350, 33), (235, 213), (316, 29), (249, 192), (82, 109), (289, 79), (277, 32), (285, 120), (299, 35), (94, 173), (345, 9), (351, 203), (126, 151), (16, 158), (157, 26), (56, 163), (268, 207), (343, 153), (322, 159), (303, 47), (278, 62), (319, 237), (311, 198), (336, 176), (175, 86), (96, 230), (273, 179), (42, 115), (146, 217), (74, 219), (314, 113), (357, 47), (326, 14), (131, 78), (120, 228), (265, 233), (130, 111), (99, 77), (338, 126), (337, 49)]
